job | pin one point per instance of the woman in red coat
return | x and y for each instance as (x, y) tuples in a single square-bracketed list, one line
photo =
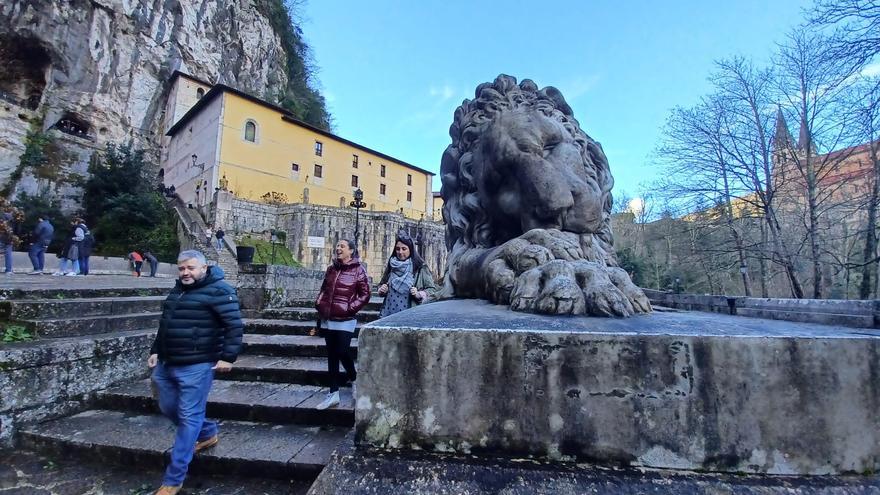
[(344, 292)]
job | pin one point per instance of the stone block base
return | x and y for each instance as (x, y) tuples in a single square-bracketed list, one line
[(667, 390)]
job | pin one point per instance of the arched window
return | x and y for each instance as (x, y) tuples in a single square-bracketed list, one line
[(200, 93), (250, 131)]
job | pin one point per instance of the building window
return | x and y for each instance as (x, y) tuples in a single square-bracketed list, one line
[(354, 181), (354, 161), (382, 189), (381, 170), (319, 148), (319, 171), (250, 131), (409, 179), (409, 196), (200, 93), (294, 167)]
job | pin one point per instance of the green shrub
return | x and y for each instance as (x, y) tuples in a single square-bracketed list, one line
[(263, 252)]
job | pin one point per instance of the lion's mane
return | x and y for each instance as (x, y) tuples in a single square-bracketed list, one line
[(468, 225)]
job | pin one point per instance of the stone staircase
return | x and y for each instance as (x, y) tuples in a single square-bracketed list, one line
[(193, 237), (269, 426)]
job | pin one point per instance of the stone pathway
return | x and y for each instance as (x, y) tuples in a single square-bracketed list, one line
[(26, 282), (27, 473)]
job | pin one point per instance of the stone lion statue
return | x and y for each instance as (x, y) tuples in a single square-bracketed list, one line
[(527, 206)]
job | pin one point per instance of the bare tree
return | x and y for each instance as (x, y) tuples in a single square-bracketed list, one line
[(811, 82), (857, 27), (698, 169)]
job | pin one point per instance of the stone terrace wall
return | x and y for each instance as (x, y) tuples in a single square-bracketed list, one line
[(274, 286), (301, 221), (45, 381), (849, 313)]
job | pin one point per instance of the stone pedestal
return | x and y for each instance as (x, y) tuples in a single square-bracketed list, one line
[(667, 390)]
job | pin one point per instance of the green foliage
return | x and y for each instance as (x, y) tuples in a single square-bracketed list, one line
[(42, 155), (263, 252), (42, 204), (633, 265), (124, 208), (16, 333), (304, 102)]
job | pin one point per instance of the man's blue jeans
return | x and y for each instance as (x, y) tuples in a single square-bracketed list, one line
[(37, 255), (7, 255), (183, 395)]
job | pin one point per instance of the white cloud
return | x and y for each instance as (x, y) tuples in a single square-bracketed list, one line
[(444, 92), (871, 70), (578, 86)]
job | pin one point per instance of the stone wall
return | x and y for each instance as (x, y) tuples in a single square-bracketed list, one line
[(850, 313), (301, 221), (274, 286), (41, 381), (690, 391)]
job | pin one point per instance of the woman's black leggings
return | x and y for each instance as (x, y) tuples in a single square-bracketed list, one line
[(339, 349)]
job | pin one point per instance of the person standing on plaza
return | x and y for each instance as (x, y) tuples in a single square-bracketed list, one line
[(219, 235), (70, 251), (407, 280), (200, 332), (86, 244), (344, 292), (154, 263), (7, 238), (209, 236), (41, 237)]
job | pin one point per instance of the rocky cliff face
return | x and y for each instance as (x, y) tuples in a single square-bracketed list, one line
[(89, 72)]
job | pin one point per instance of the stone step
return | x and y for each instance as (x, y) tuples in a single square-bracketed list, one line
[(275, 369), (53, 292), (281, 327), (279, 403), (90, 325), (246, 448), (288, 345), (26, 309), (311, 314)]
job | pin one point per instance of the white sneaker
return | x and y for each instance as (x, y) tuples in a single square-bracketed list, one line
[(70, 274), (331, 400), (57, 274), (35, 272)]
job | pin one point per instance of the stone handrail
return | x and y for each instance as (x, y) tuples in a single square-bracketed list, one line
[(849, 313)]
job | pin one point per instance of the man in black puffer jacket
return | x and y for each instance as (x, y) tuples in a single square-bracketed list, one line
[(200, 332)]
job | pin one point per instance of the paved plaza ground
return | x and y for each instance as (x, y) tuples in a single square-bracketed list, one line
[(24, 281)]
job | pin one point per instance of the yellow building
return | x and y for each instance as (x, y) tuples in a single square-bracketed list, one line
[(220, 137)]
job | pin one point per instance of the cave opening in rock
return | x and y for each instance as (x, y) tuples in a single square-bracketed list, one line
[(74, 125), (25, 65)]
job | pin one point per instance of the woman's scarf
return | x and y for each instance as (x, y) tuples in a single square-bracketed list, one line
[(401, 278)]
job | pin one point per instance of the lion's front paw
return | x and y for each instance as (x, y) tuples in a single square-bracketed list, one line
[(569, 287)]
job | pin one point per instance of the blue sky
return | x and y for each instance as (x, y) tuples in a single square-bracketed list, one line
[(393, 72)]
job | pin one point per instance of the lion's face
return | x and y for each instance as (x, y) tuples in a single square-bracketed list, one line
[(537, 175)]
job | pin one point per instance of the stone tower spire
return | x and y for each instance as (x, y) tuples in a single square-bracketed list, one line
[(782, 138)]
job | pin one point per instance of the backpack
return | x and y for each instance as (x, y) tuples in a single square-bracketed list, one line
[(88, 241)]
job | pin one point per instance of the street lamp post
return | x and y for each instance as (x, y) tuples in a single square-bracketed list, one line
[(357, 204)]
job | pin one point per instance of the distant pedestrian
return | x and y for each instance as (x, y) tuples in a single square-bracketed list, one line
[(154, 263), (137, 261), (219, 235), (407, 280), (41, 237), (209, 236), (70, 251), (344, 292), (199, 334), (86, 244), (6, 240)]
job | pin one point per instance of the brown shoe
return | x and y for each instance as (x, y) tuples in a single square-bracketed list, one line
[(168, 490), (206, 444)]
